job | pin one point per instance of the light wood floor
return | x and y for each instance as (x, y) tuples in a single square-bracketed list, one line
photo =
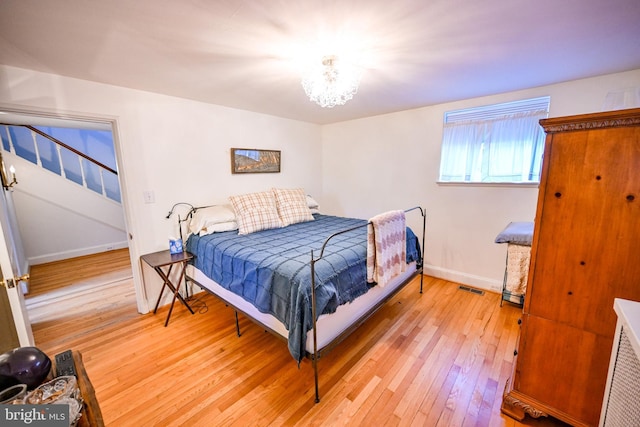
[(440, 358), (81, 271)]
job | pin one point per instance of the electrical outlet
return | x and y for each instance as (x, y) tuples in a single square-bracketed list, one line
[(149, 196)]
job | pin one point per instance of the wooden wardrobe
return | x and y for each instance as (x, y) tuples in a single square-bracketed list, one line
[(585, 252)]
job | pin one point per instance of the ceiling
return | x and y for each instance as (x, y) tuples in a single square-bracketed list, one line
[(249, 54)]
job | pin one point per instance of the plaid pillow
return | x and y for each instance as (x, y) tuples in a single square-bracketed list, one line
[(292, 205), (255, 212)]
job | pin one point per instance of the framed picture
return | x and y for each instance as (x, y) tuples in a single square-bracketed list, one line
[(248, 160)]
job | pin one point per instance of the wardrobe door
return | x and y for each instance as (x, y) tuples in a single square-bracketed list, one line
[(589, 229), (563, 368)]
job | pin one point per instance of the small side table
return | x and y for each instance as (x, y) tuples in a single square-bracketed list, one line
[(160, 259)]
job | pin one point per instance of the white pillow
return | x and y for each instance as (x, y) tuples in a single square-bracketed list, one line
[(313, 205), (292, 205), (204, 218), (311, 202), (255, 212), (219, 227)]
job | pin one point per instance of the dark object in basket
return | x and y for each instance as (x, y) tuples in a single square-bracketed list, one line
[(24, 365)]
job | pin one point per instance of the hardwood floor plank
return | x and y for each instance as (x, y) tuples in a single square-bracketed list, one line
[(437, 358), (440, 386), (77, 271), (434, 414)]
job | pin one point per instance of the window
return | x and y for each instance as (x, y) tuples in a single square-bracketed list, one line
[(494, 143)]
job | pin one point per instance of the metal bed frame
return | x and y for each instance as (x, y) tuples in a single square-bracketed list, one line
[(318, 353)]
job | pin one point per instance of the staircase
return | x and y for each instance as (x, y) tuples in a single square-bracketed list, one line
[(38, 146), (67, 203)]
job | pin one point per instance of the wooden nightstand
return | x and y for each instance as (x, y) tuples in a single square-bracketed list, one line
[(157, 261)]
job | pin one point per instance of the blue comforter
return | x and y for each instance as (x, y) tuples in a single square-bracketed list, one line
[(271, 269)]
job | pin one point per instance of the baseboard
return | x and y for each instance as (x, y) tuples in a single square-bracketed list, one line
[(464, 278), (43, 259)]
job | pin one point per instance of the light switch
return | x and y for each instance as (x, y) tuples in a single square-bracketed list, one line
[(149, 196)]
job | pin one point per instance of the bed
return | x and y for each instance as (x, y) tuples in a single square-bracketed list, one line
[(517, 236), (306, 282)]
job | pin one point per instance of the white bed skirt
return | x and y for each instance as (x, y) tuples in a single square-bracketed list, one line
[(329, 326)]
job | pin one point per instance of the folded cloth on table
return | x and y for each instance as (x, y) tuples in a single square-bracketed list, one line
[(520, 233), (386, 247)]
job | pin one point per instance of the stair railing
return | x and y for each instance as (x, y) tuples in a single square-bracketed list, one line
[(59, 145)]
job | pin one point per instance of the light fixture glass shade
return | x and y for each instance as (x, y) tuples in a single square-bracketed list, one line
[(331, 83)]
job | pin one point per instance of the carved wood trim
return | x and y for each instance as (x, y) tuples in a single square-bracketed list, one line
[(514, 407), (609, 119), (564, 127)]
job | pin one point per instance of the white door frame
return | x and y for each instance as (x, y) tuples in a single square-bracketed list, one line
[(141, 297), (11, 285)]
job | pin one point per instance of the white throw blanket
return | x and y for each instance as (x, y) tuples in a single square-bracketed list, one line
[(386, 247), (518, 259)]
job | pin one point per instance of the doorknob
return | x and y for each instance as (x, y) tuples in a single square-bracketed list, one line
[(11, 283)]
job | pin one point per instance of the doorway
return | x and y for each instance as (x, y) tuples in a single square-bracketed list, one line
[(98, 285)]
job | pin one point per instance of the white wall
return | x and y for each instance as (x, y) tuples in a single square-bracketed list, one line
[(176, 148), (392, 161), (59, 219), (179, 150)]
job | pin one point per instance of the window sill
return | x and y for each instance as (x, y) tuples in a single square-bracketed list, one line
[(488, 184)]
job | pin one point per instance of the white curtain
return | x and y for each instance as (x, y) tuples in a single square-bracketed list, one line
[(504, 149)]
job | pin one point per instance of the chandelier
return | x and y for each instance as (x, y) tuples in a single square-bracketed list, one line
[(333, 83)]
